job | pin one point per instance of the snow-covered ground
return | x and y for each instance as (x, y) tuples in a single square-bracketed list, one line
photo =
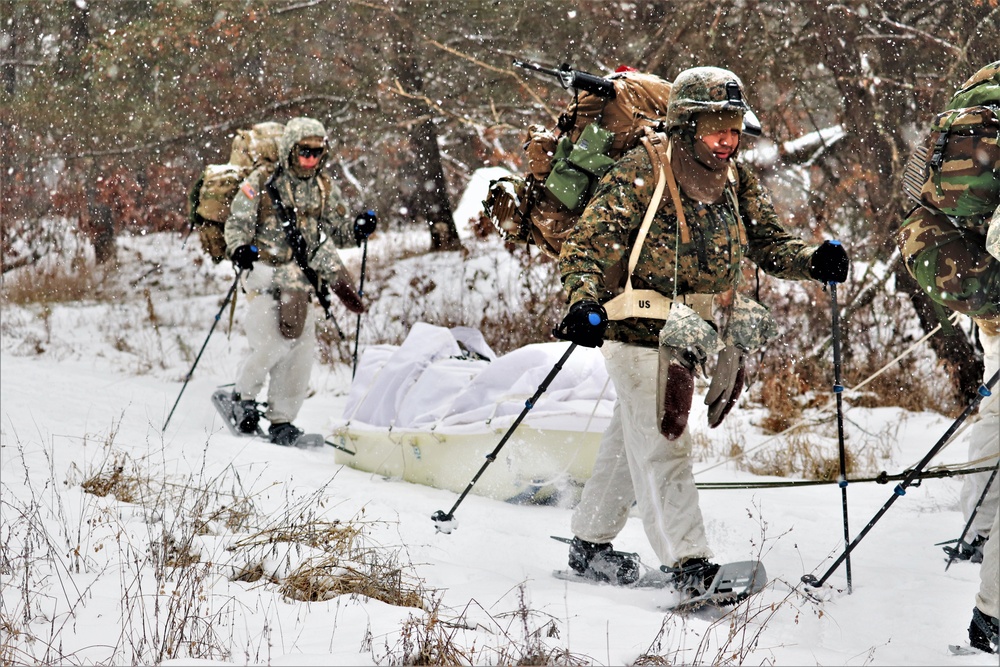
[(87, 387)]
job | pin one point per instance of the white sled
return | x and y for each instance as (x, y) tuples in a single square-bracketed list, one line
[(430, 411)]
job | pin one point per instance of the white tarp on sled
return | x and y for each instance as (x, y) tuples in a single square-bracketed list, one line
[(431, 409)]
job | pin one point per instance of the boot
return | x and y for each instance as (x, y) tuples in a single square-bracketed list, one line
[(970, 551), (246, 416), (284, 434), (601, 562), (983, 631), (693, 577)]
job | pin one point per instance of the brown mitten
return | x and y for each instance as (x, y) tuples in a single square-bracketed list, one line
[(674, 394), (727, 384), (348, 296)]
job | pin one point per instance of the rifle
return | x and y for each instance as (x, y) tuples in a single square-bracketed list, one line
[(575, 79), (298, 245)]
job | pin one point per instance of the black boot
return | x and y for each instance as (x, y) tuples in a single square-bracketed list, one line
[(983, 631), (970, 551), (694, 576), (284, 434), (246, 414), (601, 562)]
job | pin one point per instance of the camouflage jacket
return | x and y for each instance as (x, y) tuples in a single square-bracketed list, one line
[(594, 258), (320, 215)]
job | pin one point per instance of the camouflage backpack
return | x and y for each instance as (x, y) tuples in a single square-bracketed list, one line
[(594, 131), (954, 177), (212, 194)]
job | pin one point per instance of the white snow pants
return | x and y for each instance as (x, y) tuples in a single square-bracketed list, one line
[(636, 463), (988, 597), (984, 441), (287, 362)]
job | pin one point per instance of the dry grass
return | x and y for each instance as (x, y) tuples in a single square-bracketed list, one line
[(59, 282)]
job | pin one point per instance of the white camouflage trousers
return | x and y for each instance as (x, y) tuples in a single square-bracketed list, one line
[(984, 441), (286, 364), (635, 463)]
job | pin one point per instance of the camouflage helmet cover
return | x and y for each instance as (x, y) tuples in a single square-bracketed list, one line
[(703, 89)]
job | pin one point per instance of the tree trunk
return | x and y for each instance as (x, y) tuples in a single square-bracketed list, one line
[(431, 196)]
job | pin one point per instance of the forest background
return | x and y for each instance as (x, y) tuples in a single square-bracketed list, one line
[(109, 109)]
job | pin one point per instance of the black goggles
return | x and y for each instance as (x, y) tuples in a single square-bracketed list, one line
[(310, 151)]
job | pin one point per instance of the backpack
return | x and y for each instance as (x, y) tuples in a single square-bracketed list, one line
[(212, 194), (954, 178), (956, 169), (542, 207)]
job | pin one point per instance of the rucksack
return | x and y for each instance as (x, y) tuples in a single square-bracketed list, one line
[(954, 178), (542, 206), (956, 169), (212, 194)]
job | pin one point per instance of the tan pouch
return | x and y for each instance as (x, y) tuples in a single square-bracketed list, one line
[(292, 310)]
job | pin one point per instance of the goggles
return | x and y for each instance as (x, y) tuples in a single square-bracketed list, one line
[(309, 151)]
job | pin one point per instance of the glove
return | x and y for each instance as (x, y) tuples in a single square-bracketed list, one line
[(348, 296), (829, 263), (727, 384), (364, 225), (245, 256), (584, 324)]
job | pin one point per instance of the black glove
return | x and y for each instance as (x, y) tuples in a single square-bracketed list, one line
[(584, 324), (829, 263), (245, 256), (364, 225)]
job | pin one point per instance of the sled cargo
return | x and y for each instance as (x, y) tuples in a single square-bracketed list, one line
[(430, 411)]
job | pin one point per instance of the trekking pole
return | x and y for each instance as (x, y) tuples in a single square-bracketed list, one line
[(838, 389), (953, 552), (900, 490), (218, 316), (361, 293), (442, 521)]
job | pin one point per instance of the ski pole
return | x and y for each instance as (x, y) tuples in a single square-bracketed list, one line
[(900, 490), (361, 293), (953, 553), (838, 389), (442, 520), (218, 316)]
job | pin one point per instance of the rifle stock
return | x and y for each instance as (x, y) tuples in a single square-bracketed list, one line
[(575, 79)]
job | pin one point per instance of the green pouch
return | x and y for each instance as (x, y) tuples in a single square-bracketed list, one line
[(590, 151), (566, 182)]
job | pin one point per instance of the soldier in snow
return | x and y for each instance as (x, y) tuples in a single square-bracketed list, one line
[(280, 325), (655, 276), (951, 244)]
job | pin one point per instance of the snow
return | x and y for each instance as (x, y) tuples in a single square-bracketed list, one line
[(87, 386)]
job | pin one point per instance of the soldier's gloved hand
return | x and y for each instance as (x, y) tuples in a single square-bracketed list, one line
[(348, 296), (829, 263), (364, 225), (674, 390), (245, 256), (727, 384), (584, 324)]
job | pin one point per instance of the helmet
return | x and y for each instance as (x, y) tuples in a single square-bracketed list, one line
[(702, 89)]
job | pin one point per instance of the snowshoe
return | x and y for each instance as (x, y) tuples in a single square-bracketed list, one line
[(246, 414)]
